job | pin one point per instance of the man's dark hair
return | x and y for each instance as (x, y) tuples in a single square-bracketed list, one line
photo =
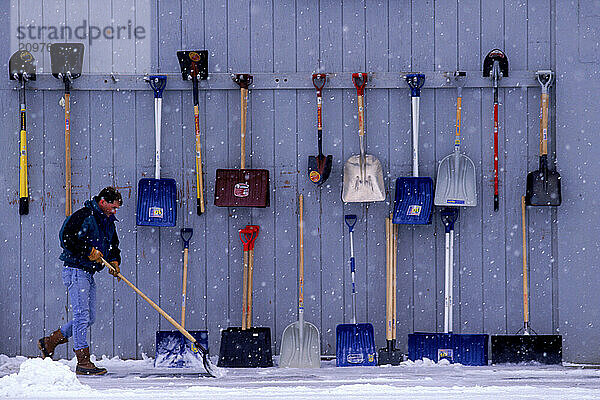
[(110, 194)]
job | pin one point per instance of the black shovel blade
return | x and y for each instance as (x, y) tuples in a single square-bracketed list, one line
[(319, 168), (493, 56), (22, 65), (66, 59), (193, 62), (544, 349), (543, 188)]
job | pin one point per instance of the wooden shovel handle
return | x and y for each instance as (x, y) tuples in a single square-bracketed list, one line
[(301, 255), (245, 292), (545, 98), (525, 278), (199, 178), (157, 308), (244, 102), (249, 296), (388, 281), (184, 289), (67, 155)]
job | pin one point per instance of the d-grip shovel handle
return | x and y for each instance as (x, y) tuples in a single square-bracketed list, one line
[(360, 80), (545, 79), (319, 82), (350, 221), (158, 84), (415, 82)]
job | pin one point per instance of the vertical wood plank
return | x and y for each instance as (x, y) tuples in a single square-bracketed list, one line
[(284, 201), (261, 155), (101, 170), (32, 224), (423, 235), (494, 240), (125, 179), (401, 164), (508, 317), (216, 243), (333, 262)]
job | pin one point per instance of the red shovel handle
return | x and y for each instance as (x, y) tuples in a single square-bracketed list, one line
[(246, 238), (255, 229), (360, 80), (319, 82)]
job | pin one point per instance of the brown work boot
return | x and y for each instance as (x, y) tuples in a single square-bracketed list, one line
[(48, 344), (84, 365)]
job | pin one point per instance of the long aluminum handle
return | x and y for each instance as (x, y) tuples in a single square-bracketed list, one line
[(157, 125), (415, 135)]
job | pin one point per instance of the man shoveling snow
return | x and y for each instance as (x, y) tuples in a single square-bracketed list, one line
[(85, 237)]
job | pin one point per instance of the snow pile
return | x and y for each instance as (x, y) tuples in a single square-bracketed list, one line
[(37, 376), (10, 365)]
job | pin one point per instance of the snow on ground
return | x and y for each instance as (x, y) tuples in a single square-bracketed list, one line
[(22, 378)]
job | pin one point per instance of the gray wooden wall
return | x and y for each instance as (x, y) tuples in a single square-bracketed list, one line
[(113, 144)]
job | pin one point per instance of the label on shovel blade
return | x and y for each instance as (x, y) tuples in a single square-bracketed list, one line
[(156, 212), (241, 189), (357, 358), (414, 210), (315, 176), (446, 353)]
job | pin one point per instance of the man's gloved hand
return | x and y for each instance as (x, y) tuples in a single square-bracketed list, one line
[(95, 255), (116, 271)]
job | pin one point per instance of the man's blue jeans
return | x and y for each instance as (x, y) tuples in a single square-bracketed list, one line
[(82, 296)]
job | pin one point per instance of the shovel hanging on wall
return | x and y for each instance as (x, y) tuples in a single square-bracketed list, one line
[(242, 187), (157, 198), (363, 174), (22, 67), (495, 66), (319, 167), (414, 195), (543, 185), (67, 63), (194, 66), (456, 184)]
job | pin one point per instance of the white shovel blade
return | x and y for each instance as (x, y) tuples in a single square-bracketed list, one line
[(456, 183), (363, 186), (295, 354)]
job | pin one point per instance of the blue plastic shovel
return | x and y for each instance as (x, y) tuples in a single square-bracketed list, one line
[(355, 343)]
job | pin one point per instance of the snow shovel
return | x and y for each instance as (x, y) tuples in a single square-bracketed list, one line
[(245, 346), (528, 346), (66, 62), (172, 349), (543, 185), (194, 66), (194, 345), (319, 167), (242, 187), (363, 175), (455, 184), (22, 67), (390, 354), (466, 349), (157, 198), (300, 343), (414, 195), (355, 343), (495, 65)]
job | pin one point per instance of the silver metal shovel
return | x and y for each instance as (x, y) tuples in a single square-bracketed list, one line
[(456, 182), (300, 343), (363, 175)]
